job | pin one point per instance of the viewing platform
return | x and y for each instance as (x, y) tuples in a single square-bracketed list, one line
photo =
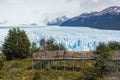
[(68, 56)]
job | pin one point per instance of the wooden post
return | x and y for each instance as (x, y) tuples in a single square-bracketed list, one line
[(64, 56), (117, 62), (48, 62), (41, 51), (56, 63), (57, 56), (41, 61), (49, 56), (32, 63), (64, 64), (73, 61)]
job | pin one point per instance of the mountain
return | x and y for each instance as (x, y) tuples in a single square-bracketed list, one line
[(57, 21), (108, 18)]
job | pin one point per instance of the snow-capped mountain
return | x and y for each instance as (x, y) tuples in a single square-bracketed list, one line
[(114, 9), (108, 18), (57, 21)]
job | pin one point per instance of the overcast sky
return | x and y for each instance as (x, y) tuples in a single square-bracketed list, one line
[(36, 11)]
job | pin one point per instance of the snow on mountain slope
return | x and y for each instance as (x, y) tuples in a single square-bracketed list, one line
[(73, 38), (108, 19), (57, 21)]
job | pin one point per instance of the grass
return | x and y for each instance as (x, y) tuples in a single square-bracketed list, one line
[(22, 70)]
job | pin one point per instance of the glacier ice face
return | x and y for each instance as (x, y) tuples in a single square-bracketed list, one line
[(73, 38)]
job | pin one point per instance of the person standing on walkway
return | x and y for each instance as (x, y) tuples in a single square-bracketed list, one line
[(64, 54), (57, 53)]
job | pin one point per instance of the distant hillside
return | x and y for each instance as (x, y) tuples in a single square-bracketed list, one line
[(57, 21), (108, 18)]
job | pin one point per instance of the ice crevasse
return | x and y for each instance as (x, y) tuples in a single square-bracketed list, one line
[(73, 38)]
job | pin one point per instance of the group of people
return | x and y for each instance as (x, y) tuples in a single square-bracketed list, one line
[(57, 53)]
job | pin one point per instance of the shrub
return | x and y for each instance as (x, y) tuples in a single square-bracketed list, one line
[(34, 48), (52, 45), (103, 60), (37, 76), (16, 44), (114, 45), (14, 64), (1, 64), (13, 73)]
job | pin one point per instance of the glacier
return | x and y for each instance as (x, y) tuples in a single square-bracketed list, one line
[(73, 38)]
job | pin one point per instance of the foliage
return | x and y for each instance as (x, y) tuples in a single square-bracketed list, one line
[(18, 70), (1, 64), (114, 45), (13, 64), (103, 60), (34, 48), (0, 48), (52, 45), (37, 76), (16, 44), (1, 54), (12, 70), (89, 74), (13, 74), (88, 70), (42, 43)]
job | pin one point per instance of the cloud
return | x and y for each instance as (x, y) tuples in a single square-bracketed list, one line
[(96, 1), (28, 11), (35, 11)]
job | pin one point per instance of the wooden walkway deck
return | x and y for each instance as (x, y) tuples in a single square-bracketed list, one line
[(51, 56), (61, 59), (68, 59)]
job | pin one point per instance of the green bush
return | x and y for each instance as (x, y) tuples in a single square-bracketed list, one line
[(114, 45), (37, 76), (88, 71), (103, 60), (16, 44), (34, 48), (1, 67), (13, 72), (1, 64), (14, 64), (52, 45)]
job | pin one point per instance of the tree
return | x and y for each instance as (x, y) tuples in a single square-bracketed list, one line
[(1, 54), (42, 44), (103, 59), (34, 48), (89, 72), (114, 45), (52, 45), (16, 44)]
